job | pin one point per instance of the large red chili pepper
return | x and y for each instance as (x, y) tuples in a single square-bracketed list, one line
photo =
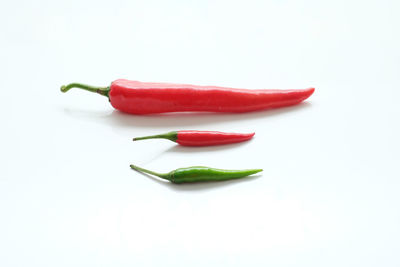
[(146, 98), (201, 138)]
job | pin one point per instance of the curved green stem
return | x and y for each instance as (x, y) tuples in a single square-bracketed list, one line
[(173, 136), (100, 90), (161, 175)]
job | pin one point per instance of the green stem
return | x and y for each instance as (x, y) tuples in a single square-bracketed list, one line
[(170, 136), (161, 175), (100, 90)]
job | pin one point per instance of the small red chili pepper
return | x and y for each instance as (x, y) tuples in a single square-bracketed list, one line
[(147, 98), (201, 138)]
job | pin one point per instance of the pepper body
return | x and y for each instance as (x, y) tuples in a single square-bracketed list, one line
[(199, 174), (210, 138), (201, 138), (146, 98), (202, 174)]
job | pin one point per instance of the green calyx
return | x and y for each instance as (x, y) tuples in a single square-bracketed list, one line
[(173, 136), (165, 176), (99, 90), (199, 174)]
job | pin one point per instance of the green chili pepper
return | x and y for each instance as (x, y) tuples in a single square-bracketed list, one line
[(199, 174)]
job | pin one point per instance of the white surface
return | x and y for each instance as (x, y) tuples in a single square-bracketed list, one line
[(329, 193)]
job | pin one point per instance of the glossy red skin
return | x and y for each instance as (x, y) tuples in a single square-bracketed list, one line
[(146, 98), (210, 138)]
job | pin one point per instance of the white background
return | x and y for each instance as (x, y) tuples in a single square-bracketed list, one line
[(329, 193)]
